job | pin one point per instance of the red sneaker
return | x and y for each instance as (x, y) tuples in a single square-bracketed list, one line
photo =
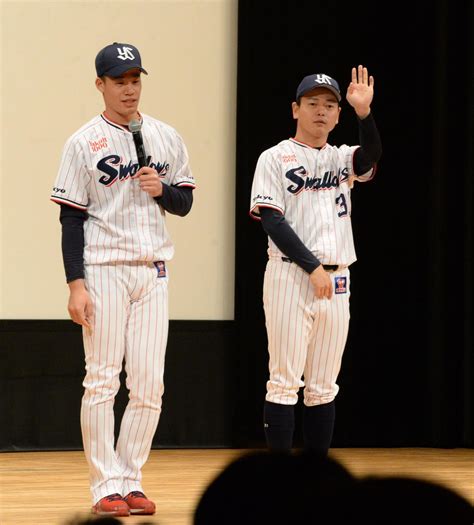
[(113, 505), (138, 503)]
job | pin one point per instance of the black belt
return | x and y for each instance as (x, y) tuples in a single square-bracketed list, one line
[(327, 267)]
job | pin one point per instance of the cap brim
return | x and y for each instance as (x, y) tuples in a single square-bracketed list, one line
[(329, 88), (117, 71)]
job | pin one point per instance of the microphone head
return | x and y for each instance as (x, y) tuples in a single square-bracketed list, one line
[(134, 126)]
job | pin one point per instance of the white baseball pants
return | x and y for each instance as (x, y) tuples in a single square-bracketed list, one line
[(130, 321), (306, 335)]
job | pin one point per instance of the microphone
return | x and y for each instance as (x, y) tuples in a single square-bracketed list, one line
[(135, 127)]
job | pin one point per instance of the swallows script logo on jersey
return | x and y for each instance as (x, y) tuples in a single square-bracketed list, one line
[(125, 53), (301, 182), (114, 170)]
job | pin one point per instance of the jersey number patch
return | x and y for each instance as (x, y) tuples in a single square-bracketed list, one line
[(342, 205)]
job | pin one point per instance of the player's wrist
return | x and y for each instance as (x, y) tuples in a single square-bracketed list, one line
[(77, 284), (315, 267), (161, 190), (362, 113)]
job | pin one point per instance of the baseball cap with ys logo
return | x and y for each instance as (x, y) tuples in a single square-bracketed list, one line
[(114, 60), (318, 80)]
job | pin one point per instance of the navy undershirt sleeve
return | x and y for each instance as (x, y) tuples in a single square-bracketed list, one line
[(283, 235), (370, 149), (72, 241), (176, 200)]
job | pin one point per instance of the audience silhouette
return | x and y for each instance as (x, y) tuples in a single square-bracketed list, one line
[(400, 500), (311, 489), (275, 487)]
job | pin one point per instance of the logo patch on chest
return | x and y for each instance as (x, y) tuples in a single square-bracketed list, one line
[(340, 284), (96, 145), (160, 268)]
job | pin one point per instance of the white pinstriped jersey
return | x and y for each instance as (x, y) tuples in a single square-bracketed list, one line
[(124, 222), (311, 187)]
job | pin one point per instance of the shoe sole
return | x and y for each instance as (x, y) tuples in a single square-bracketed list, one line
[(118, 513), (142, 511)]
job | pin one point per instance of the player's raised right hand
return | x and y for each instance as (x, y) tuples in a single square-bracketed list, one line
[(80, 304), (321, 283), (361, 91)]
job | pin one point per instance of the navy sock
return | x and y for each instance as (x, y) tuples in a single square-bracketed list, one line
[(318, 426), (279, 424)]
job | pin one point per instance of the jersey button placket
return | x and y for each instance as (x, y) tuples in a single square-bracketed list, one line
[(329, 225), (142, 204)]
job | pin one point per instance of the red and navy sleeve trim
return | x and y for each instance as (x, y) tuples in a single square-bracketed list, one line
[(185, 184), (59, 200), (255, 214)]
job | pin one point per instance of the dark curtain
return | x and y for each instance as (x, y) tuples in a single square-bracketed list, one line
[(42, 370), (407, 372)]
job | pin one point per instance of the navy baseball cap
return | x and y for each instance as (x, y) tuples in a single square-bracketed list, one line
[(318, 80), (114, 60)]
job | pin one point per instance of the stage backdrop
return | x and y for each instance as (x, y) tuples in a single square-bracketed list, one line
[(406, 376), (48, 92)]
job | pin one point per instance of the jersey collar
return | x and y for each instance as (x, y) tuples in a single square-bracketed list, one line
[(116, 124), (304, 145)]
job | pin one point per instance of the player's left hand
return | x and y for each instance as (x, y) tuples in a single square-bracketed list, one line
[(149, 181), (360, 91), (321, 282)]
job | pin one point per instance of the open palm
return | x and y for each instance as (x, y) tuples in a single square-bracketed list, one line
[(361, 89)]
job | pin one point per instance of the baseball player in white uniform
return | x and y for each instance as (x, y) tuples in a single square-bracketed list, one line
[(301, 193), (115, 248)]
